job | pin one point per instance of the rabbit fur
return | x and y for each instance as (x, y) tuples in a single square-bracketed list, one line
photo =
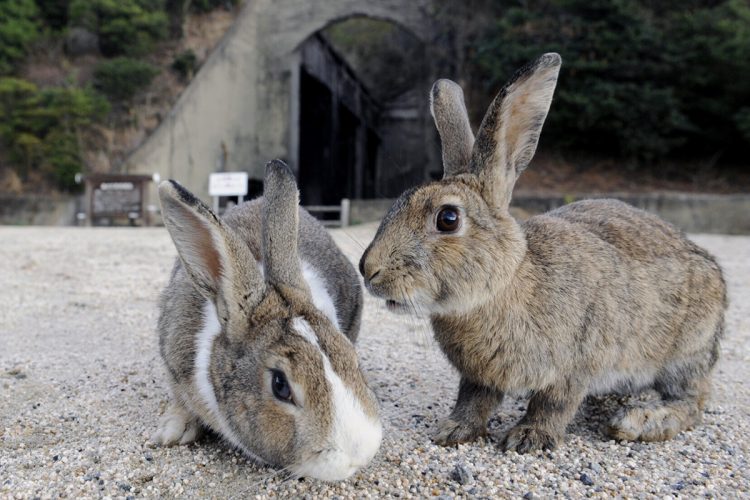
[(591, 298), (258, 295)]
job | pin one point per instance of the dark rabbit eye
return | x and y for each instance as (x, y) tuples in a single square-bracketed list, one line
[(448, 220), (280, 386)]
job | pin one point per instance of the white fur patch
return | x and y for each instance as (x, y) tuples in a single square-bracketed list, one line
[(204, 346), (320, 296), (304, 329), (355, 437)]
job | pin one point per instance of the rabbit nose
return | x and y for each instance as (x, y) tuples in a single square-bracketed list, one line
[(368, 270)]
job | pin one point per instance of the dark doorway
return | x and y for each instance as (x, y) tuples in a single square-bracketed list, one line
[(345, 159), (369, 177), (316, 130), (327, 145)]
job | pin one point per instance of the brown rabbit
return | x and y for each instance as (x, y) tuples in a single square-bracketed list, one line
[(594, 297)]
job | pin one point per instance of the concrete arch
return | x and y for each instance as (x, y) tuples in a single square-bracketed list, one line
[(238, 112)]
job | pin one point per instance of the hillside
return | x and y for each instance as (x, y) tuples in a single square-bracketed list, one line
[(96, 104), (651, 97)]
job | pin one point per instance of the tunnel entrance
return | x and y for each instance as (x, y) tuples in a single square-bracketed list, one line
[(355, 142), (336, 128)]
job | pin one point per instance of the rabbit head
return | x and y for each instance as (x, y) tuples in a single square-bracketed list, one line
[(443, 246), (277, 377)]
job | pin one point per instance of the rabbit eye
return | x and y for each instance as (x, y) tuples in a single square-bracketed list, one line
[(448, 220), (280, 386)]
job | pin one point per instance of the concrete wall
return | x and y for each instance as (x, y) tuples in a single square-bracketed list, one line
[(694, 213), (240, 111), (38, 210)]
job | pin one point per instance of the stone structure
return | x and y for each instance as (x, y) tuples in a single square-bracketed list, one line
[(243, 107)]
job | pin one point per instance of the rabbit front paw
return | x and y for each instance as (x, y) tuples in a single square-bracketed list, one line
[(177, 426), (525, 439), (450, 432)]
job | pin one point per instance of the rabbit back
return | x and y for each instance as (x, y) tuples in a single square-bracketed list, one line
[(642, 286)]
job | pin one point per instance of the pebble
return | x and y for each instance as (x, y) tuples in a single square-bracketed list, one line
[(87, 346), (461, 474), (585, 479)]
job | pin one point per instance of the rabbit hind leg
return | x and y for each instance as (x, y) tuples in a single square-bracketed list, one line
[(678, 408)]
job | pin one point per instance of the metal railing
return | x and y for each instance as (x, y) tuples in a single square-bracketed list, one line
[(343, 209)]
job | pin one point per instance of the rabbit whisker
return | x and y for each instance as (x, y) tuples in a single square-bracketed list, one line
[(272, 475)]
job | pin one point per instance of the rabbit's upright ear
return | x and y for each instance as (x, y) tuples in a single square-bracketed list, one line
[(452, 121), (280, 227), (219, 264), (507, 139)]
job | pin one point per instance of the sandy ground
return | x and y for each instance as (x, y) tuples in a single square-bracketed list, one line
[(81, 388)]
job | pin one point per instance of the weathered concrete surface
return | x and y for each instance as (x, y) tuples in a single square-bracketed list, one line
[(240, 110), (40, 210), (691, 212), (81, 385), (697, 213)]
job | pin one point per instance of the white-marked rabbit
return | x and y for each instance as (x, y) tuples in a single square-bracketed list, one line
[(253, 331), (596, 296)]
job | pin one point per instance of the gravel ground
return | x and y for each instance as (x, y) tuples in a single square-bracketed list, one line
[(81, 387)]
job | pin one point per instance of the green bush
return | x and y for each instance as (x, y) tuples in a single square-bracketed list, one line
[(640, 79), (122, 78), (209, 5), (39, 127), (185, 64), (54, 13), (18, 28), (125, 27)]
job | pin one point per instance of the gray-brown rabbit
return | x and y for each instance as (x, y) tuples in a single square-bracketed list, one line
[(594, 297), (256, 332)]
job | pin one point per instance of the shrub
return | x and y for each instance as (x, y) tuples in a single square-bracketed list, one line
[(39, 127), (209, 5), (54, 13), (124, 27), (640, 79), (185, 64), (122, 78), (18, 28)]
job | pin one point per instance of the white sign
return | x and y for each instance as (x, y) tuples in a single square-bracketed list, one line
[(116, 186), (227, 184)]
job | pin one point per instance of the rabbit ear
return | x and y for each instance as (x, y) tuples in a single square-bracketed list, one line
[(452, 121), (509, 133), (216, 260), (280, 227)]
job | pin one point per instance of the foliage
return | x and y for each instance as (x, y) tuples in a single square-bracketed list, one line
[(387, 58), (18, 28), (185, 64), (54, 13), (39, 127), (641, 79), (124, 27), (122, 77), (43, 129), (209, 5)]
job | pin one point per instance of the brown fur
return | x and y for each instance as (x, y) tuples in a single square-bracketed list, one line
[(596, 296)]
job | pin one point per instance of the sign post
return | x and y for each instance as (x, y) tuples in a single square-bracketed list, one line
[(227, 184)]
